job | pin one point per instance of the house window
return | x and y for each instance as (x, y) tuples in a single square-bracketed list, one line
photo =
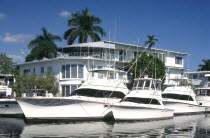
[(178, 60), (195, 76), (42, 70), (26, 71), (122, 55), (67, 90), (68, 71), (34, 70), (63, 71), (73, 88), (72, 71), (49, 69), (80, 71), (164, 58)]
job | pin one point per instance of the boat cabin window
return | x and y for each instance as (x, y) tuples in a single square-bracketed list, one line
[(2, 94), (103, 75), (99, 93), (178, 97), (112, 75), (203, 92), (146, 85), (142, 100), (141, 84)]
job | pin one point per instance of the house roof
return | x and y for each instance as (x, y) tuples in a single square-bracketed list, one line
[(126, 44), (198, 72)]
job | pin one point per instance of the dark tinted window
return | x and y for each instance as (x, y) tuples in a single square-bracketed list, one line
[(147, 83), (142, 100), (98, 93), (178, 97)]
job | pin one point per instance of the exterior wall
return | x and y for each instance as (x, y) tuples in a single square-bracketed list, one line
[(170, 60), (172, 73)]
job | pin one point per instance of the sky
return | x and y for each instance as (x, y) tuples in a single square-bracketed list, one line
[(179, 25)]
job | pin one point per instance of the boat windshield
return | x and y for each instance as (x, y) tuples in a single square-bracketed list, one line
[(99, 93), (141, 100), (177, 96), (146, 85)]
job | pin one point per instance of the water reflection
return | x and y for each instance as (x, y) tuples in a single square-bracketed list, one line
[(11, 127), (78, 129), (182, 126)]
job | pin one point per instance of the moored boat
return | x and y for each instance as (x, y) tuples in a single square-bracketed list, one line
[(181, 98), (203, 96), (85, 103), (144, 102), (8, 106)]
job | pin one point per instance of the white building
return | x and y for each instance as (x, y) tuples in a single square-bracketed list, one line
[(198, 78), (72, 67)]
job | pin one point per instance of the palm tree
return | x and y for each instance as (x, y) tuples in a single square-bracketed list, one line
[(43, 45), (151, 41), (205, 66), (83, 26)]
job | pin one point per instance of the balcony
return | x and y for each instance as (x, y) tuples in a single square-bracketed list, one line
[(99, 55)]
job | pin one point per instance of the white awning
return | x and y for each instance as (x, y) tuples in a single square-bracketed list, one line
[(99, 44)]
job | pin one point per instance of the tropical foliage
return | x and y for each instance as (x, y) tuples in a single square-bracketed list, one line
[(148, 65), (27, 82), (83, 26), (6, 64), (151, 41), (43, 46), (205, 66)]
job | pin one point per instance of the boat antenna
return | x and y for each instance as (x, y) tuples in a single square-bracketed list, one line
[(108, 75), (115, 29), (135, 57)]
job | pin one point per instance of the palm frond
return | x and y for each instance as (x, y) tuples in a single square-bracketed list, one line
[(83, 37), (73, 35), (68, 32), (94, 37), (99, 30)]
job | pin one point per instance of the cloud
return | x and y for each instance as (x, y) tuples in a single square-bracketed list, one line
[(65, 14), (16, 59), (16, 38), (2, 16)]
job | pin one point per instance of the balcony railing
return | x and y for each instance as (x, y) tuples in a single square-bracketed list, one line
[(113, 57)]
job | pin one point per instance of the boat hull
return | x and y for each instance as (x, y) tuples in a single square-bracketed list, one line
[(129, 113), (184, 108), (62, 109), (10, 107)]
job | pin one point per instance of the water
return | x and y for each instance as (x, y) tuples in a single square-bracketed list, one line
[(183, 126)]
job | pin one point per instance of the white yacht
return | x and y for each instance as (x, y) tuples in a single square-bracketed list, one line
[(8, 106), (203, 96), (88, 102), (181, 98), (144, 102)]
